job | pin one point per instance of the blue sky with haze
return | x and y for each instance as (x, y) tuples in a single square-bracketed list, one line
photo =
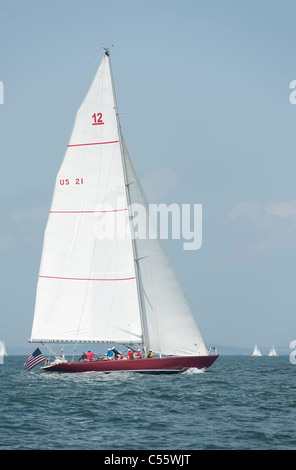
[(204, 92)]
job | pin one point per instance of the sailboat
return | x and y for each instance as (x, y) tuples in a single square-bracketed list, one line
[(98, 286), (2, 352), (256, 351), (272, 352)]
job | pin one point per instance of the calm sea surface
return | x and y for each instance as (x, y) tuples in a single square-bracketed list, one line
[(239, 403)]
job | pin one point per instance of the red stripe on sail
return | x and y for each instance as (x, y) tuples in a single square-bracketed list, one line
[(85, 212), (87, 279), (94, 143)]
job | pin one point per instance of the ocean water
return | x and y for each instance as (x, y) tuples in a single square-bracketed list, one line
[(240, 403)]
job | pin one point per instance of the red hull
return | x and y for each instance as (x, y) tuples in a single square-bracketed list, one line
[(155, 365)]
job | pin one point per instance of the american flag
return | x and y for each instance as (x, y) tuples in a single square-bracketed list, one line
[(35, 358)]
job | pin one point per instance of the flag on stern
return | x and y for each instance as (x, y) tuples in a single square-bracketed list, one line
[(35, 358)]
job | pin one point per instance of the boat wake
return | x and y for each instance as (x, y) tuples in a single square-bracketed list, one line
[(194, 370)]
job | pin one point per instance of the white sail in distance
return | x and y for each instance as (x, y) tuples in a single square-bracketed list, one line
[(95, 288), (256, 351), (2, 352), (272, 352)]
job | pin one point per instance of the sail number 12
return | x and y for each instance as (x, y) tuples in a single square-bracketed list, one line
[(97, 119)]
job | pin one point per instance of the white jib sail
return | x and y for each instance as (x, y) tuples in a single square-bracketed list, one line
[(87, 288), (171, 327)]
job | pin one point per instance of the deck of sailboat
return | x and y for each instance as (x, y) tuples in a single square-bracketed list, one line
[(169, 364)]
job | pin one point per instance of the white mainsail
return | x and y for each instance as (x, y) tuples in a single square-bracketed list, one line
[(256, 351), (94, 286), (87, 288), (2, 352)]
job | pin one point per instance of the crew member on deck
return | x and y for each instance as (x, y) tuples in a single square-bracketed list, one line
[(116, 353), (110, 354), (83, 357), (130, 354), (90, 355), (138, 354)]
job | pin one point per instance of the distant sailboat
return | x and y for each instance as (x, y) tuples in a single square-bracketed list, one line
[(2, 352), (111, 289), (256, 351), (273, 352)]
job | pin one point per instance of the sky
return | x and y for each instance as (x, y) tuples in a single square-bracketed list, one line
[(203, 88)]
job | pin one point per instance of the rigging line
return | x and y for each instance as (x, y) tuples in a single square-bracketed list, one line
[(96, 60), (73, 239), (50, 350)]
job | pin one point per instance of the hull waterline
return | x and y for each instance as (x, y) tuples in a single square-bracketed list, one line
[(155, 365)]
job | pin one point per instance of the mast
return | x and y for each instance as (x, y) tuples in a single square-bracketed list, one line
[(134, 247)]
